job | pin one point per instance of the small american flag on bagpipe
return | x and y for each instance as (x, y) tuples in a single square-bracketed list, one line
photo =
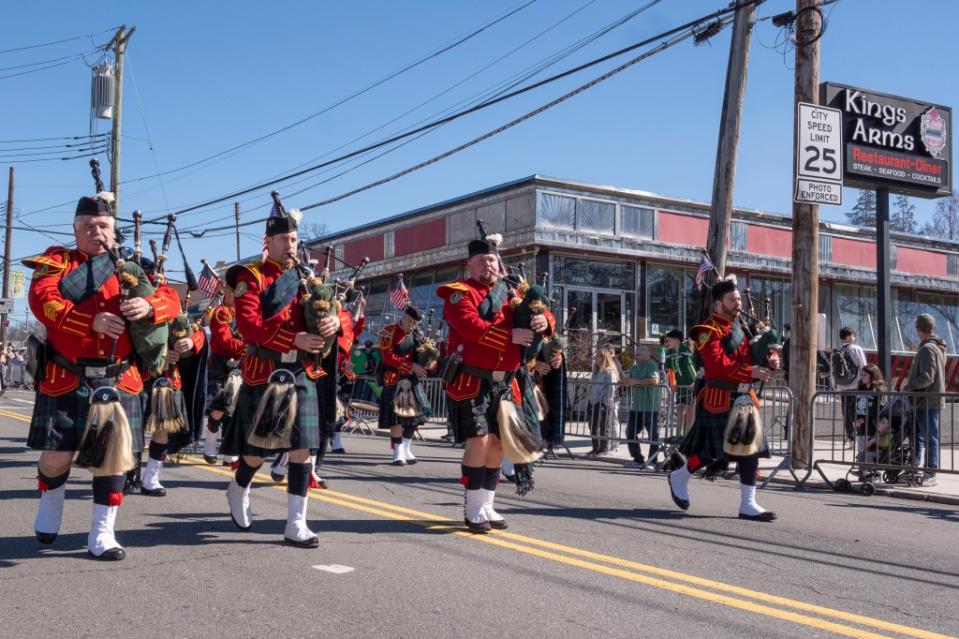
[(705, 266), (399, 295), (209, 283)]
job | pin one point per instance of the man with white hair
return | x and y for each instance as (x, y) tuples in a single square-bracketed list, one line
[(76, 295)]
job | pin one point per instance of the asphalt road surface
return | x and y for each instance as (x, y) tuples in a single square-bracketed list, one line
[(594, 551)]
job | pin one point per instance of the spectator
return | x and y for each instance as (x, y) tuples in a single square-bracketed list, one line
[(602, 401), (846, 361), (682, 376), (644, 407), (927, 379), (868, 406)]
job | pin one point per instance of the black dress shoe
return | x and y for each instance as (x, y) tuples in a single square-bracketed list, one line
[(210, 460), (312, 542), (45, 538), (156, 492), (338, 451), (399, 462), (682, 503), (498, 525), (763, 516), (113, 554), (411, 462), (481, 528), (277, 478)]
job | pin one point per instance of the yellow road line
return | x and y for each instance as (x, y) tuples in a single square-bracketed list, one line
[(400, 513), (17, 416)]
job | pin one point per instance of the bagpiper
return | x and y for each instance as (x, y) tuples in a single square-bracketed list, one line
[(289, 384), (170, 409), (400, 412), (89, 385), (726, 425), (482, 387), (223, 377)]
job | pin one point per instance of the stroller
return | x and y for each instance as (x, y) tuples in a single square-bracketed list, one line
[(890, 455)]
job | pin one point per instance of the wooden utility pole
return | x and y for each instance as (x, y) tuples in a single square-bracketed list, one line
[(804, 296), (725, 176), (236, 217), (8, 241), (119, 44)]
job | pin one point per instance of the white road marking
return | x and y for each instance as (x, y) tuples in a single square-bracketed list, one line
[(336, 569)]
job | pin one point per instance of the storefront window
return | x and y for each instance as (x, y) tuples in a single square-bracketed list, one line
[(777, 291), (596, 216), (578, 271), (908, 305), (856, 308), (556, 211), (665, 289), (636, 221)]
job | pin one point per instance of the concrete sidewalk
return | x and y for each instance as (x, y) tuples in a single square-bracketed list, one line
[(945, 492)]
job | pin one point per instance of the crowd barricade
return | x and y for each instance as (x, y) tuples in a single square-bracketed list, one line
[(777, 407), (601, 412), (363, 406), (882, 449), (15, 375)]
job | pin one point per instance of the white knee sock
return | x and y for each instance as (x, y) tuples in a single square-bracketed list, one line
[(747, 504), (50, 510), (679, 481)]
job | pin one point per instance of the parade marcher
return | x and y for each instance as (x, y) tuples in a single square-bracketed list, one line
[(176, 396), (289, 388), (77, 296), (487, 348), (729, 372), (400, 371), (551, 375), (226, 352)]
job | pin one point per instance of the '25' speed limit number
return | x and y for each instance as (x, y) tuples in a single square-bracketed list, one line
[(819, 143)]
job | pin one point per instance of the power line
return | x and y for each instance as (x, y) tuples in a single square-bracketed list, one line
[(351, 96), (462, 113), (72, 56), (685, 32), (68, 137), (48, 44)]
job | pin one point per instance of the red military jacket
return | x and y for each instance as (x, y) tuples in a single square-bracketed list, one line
[(70, 326), (486, 345), (718, 365), (395, 365), (276, 333), (223, 341)]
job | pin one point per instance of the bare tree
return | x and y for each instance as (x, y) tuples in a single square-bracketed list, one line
[(945, 220), (312, 231)]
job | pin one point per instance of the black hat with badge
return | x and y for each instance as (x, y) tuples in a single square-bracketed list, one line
[(488, 244), (414, 312), (281, 220), (722, 287)]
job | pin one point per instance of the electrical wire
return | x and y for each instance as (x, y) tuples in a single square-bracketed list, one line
[(48, 44), (676, 39), (351, 96), (465, 112)]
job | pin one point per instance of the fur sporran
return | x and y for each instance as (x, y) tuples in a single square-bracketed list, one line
[(542, 406), (404, 402), (231, 391), (275, 414), (106, 446), (519, 446), (166, 413), (744, 435)]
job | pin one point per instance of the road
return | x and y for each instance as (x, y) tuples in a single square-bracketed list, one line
[(595, 550)]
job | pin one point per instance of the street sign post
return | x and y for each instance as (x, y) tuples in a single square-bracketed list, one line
[(819, 155)]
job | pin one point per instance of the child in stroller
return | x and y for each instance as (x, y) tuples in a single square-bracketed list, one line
[(868, 406), (894, 431)]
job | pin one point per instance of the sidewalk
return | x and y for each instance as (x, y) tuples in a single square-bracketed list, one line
[(946, 492)]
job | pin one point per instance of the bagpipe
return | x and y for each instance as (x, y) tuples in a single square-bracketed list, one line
[(765, 341)]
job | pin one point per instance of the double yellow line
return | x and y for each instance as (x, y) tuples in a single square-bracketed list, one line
[(690, 585), (837, 621)]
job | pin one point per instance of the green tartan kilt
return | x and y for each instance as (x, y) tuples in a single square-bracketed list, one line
[(705, 436), (306, 427), (58, 422)]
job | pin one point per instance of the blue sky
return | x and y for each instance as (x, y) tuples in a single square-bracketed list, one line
[(205, 78)]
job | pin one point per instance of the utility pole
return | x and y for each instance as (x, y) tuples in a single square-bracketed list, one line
[(724, 177), (119, 44), (236, 217), (804, 296), (883, 285), (5, 318)]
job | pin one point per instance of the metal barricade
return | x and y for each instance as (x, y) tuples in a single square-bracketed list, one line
[(602, 412), (777, 407), (890, 437), (363, 407)]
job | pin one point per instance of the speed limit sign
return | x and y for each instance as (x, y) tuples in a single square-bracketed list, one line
[(818, 155)]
